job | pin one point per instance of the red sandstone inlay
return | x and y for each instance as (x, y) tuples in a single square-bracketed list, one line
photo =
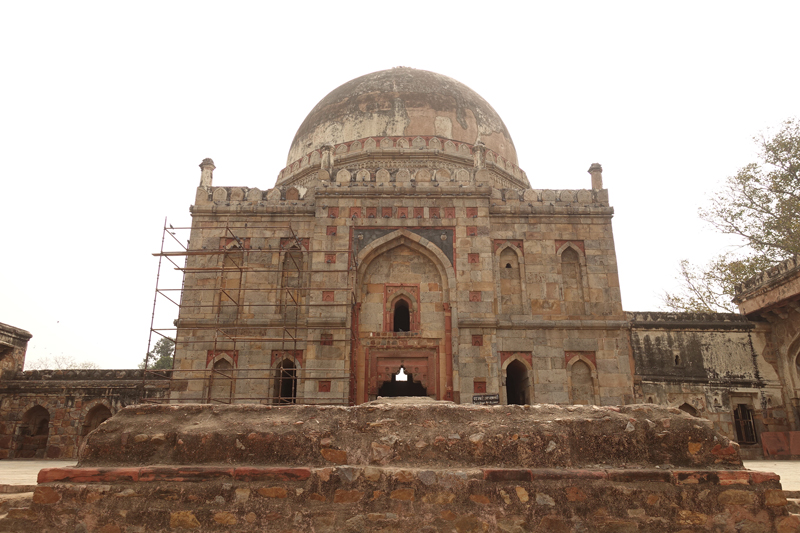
[(88, 475), (249, 473), (166, 473)]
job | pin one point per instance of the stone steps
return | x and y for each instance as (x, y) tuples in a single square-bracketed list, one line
[(15, 504)]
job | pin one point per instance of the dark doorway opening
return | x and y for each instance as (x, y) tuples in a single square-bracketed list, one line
[(33, 433), (286, 387), (402, 384), (745, 428), (96, 416), (516, 383), (402, 317)]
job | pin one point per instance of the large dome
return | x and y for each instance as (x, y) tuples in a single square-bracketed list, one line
[(402, 102)]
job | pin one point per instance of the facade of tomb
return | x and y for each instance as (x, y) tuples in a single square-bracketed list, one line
[(402, 241)]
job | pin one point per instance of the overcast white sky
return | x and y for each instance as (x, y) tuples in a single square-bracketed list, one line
[(106, 110)]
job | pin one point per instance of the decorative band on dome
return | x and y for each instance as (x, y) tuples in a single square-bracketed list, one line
[(420, 142)]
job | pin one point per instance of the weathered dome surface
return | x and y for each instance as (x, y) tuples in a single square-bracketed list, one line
[(402, 102)]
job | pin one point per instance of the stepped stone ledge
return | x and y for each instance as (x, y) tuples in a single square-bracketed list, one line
[(405, 465)]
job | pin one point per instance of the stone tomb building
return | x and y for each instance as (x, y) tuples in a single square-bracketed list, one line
[(402, 240), (403, 251)]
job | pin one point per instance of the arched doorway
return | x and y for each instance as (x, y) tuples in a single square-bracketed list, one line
[(33, 433), (286, 382), (517, 384), (402, 384), (405, 266), (96, 416)]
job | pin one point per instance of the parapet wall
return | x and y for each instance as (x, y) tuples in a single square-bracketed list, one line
[(435, 434)]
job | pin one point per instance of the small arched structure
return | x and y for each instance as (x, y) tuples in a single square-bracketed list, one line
[(220, 389), (33, 433), (510, 267), (96, 416), (582, 383), (291, 295), (573, 279)]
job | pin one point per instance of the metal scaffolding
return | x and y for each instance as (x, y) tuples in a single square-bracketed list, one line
[(288, 333)]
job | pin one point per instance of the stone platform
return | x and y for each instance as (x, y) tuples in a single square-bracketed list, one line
[(401, 466)]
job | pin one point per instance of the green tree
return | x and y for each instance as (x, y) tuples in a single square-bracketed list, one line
[(760, 205), (160, 358)]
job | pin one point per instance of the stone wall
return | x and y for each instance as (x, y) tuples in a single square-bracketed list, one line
[(400, 467), (46, 414), (13, 345), (709, 365), (517, 285)]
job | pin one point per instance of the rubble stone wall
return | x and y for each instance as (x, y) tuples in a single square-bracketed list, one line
[(405, 465), (47, 414)]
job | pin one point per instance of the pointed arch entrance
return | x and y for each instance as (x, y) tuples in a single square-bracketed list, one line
[(404, 319)]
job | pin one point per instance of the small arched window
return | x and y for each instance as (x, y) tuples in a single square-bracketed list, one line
[(402, 316)]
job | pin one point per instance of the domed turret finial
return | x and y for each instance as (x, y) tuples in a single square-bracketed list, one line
[(206, 172), (597, 175)]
